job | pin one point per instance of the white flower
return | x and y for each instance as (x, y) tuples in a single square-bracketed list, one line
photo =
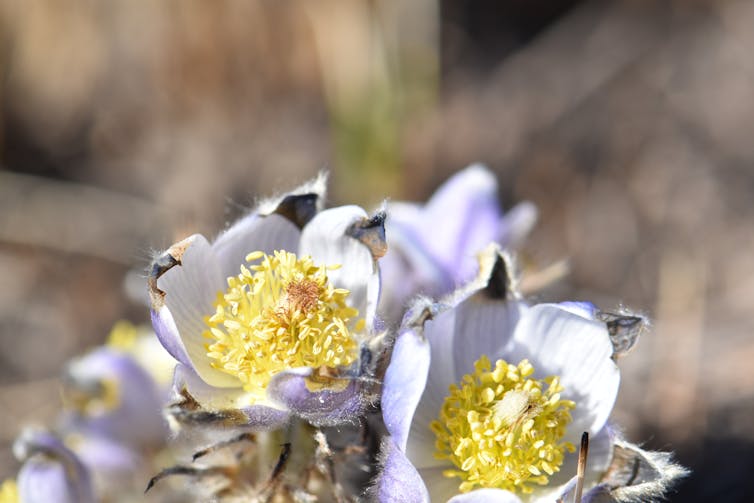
[(504, 434), (270, 318)]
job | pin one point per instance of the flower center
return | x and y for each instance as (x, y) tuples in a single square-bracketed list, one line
[(278, 314), (501, 429)]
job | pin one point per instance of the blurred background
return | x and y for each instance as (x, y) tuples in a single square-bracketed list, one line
[(127, 124)]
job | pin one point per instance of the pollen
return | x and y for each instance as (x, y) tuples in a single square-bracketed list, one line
[(280, 312), (502, 429)]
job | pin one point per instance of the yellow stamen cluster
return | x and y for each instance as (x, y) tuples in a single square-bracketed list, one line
[(501, 429), (279, 314)]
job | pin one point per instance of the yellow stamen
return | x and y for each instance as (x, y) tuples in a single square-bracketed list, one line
[(278, 314), (501, 429)]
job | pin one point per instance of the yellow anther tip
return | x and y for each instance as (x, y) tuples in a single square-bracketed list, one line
[(505, 436)]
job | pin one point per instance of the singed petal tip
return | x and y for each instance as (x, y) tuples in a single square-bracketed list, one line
[(300, 204), (496, 278)]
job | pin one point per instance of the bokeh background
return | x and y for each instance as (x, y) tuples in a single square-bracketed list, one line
[(127, 124)]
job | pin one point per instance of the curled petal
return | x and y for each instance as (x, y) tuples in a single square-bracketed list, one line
[(167, 333), (341, 400), (404, 383), (187, 290), (330, 239), (51, 471)]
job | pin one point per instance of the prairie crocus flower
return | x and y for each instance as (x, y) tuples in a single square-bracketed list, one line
[(487, 399), (113, 399), (433, 247), (271, 318), (109, 394), (50, 471)]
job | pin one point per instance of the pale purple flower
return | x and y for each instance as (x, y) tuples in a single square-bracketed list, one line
[(486, 319), (199, 319), (433, 247), (110, 395), (50, 471)]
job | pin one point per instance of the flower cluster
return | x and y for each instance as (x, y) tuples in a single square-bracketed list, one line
[(334, 355)]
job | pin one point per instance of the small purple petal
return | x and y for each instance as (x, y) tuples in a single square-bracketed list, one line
[(404, 383), (516, 224), (167, 334), (322, 408), (398, 480), (136, 419), (460, 219), (51, 471), (190, 290)]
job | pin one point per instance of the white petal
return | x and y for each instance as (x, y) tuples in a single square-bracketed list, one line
[(461, 218), (404, 383), (254, 233), (483, 327), (439, 332), (458, 338), (441, 488), (558, 342), (326, 241), (486, 496), (190, 290), (213, 398)]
